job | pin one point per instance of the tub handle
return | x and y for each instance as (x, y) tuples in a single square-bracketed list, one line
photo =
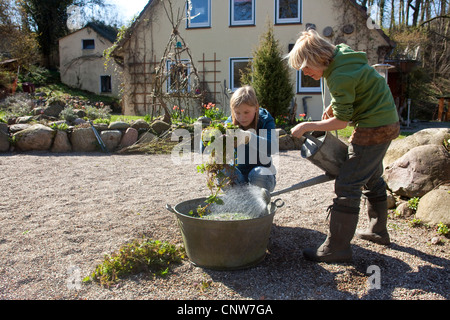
[(278, 203), (169, 207)]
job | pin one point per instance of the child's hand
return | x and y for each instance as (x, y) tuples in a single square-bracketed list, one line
[(242, 137)]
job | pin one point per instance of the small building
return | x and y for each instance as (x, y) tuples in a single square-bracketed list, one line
[(222, 35), (82, 64)]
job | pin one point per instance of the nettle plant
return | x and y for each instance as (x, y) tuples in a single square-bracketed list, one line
[(219, 173)]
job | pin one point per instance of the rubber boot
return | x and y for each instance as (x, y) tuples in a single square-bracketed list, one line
[(377, 230), (336, 247)]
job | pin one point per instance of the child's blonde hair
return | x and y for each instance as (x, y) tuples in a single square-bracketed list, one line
[(244, 95), (311, 50)]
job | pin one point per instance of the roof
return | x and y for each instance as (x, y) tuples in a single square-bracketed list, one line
[(107, 32)]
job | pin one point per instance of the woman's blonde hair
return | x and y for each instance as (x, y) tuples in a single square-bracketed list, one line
[(311, 50), (244, 95)]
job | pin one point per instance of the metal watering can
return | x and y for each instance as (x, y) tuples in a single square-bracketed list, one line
[(326, 152)]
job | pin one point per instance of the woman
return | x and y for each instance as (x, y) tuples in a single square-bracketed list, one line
[(360, 96)]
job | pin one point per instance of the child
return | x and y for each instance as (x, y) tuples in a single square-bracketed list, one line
[(254, 162), (361, 96)]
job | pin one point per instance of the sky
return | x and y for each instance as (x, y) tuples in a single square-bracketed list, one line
[(129, 8)]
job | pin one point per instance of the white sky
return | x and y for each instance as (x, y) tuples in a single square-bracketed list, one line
[(129, 8)]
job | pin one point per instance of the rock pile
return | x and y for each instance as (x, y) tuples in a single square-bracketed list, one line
[(59, 138)]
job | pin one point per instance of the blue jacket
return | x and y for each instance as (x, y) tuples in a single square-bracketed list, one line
[(258, 152)]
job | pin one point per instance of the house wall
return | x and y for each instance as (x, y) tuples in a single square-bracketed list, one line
[(224, 42), (82, 68)]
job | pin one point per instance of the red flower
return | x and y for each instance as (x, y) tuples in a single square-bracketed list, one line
[(302, 115)]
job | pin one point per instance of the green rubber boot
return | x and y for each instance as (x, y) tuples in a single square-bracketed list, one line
[(336, 247), (377, 231)]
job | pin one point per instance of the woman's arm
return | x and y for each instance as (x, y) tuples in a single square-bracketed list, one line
[(323, 125)]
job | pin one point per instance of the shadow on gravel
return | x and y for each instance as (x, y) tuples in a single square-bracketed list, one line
[(285, 274)]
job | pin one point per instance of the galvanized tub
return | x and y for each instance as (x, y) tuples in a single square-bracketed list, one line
[(224, 245)]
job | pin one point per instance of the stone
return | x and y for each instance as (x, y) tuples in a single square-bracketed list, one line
[(434, 206), (118, 125), (61, 143), (400, 147), (4, 127), (78, 121), (18, 127), (129, 138), (37, 137), (54, 108), (83, 139), (24, 119), (285, 142), (111, 138), (146, 137), (403, 210), (159, 126), (419, 171), (4, 141), (140, 124)]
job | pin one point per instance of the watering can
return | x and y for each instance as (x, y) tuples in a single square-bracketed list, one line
[(326, 152)]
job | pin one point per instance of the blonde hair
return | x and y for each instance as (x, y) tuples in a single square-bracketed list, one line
[(311, 50), (244, 95)]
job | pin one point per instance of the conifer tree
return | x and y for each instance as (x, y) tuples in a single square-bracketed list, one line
[(268, 73)]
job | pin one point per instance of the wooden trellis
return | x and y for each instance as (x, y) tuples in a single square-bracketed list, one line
[(207, 85)]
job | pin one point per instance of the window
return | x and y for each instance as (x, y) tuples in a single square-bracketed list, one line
[(306, 84), (105, 84), (88, 44), (178, 79), (242, 12), (237, 65), (288, 11), (199, 15)]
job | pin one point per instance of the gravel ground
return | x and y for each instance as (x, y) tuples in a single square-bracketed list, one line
[(59, 215)]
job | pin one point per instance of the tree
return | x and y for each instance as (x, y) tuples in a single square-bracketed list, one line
[(269, 75), (48, 18)]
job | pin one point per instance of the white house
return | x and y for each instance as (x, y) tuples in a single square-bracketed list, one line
[(82, 64)]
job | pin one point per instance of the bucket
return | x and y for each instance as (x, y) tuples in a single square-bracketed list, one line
[(325, 151), (223, 245)]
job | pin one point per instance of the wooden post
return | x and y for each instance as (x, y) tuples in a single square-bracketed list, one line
[(441, 108)]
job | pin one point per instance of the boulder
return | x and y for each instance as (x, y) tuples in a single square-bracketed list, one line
[(111, 138), (83, 139), (118, 125), (159, 126), (61, 142), (400, 147), (24, 119), (4, 127), (37, 137), (419, 171), (433, 206), (18, 127), (146, 137), (4, 141), (129, 138), (54, 107), (285, 142), (140, 124)]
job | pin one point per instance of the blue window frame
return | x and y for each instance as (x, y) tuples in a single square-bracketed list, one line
[(306, 84), (199, 14), (288, 11), (236, 66), (242, 12)]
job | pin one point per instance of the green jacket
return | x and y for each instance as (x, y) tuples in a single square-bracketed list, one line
[(359, 93)]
